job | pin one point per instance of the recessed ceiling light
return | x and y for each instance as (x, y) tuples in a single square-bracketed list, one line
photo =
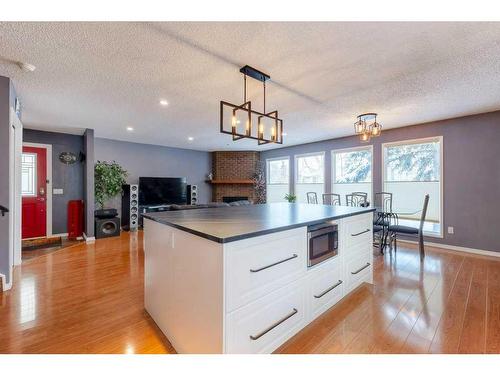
[(25, 67), (163, 102), (130, 129), (190, 139)]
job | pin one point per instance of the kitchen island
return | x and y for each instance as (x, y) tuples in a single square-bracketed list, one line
[(238, 280)]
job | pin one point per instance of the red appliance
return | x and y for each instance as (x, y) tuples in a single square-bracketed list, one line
[(75, 219)]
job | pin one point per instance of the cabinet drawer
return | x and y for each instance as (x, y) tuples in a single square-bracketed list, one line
[(265, 324), (358, 250), (357, 271), (259, 266), (326, 287), (358, 230)]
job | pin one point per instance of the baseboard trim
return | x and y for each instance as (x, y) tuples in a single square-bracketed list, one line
[(5, 286), (88, 239), (457, 248), (62, 235)]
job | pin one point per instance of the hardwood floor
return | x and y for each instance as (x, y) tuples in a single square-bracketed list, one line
[(89, 299)]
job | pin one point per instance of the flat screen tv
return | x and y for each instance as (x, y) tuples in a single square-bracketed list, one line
[(162, 190)]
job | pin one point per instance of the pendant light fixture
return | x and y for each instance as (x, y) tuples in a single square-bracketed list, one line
[(367, 127), (269, 127)]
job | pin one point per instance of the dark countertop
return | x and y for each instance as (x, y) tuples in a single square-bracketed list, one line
[(227, 224)]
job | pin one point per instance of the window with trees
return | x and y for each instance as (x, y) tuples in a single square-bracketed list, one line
[(352, 171), (278, 179), (411, 170), (309, 175)]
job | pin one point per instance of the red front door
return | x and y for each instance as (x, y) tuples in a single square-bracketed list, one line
[(34, 192)]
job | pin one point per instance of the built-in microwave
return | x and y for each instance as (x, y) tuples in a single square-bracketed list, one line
[(322, 242)]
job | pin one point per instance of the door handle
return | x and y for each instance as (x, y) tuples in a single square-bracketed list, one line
[(274, 264), (3, 210), (42, 191), (282, 320)]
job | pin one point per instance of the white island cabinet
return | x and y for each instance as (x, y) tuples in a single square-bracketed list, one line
[(249, 295)]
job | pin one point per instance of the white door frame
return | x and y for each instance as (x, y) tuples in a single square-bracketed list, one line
[(15, 181), (49, 184)]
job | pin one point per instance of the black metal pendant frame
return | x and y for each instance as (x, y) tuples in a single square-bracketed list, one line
[(276, 137), (278, 123)]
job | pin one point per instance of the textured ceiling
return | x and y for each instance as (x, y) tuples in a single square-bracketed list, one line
[(108, 76)]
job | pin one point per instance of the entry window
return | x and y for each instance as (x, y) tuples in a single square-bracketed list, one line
[(28, 175)]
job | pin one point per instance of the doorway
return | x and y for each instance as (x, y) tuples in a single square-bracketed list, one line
[(36, 191)]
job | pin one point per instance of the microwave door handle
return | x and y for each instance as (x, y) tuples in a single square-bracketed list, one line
[(321, 232)]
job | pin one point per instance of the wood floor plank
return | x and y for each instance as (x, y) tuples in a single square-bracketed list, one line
[(493, 309), (449, 329), (90, 299), (473, 335)]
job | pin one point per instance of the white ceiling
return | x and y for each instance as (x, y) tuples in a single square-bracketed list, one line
[(108, 76)]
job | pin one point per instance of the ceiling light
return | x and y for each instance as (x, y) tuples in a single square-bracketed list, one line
[(163, 102), (269, 127), (367, 131), (130, 129), (190, 139), (25, 67)]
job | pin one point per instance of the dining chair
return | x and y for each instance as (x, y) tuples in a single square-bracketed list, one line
[(312, 197), (331, 199), (356, 199), (381, 218), (411, 231), (384, 201)]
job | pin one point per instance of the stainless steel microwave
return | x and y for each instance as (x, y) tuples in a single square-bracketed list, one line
[(322, 242)]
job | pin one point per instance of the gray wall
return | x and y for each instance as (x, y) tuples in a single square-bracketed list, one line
[(67, 177), (88, 181), (142, 160), (4, 174), (471, 173)]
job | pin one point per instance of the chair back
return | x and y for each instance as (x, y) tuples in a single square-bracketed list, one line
[(312, 197), (384, 201), (424, 212), (356, 199), (331, 199)]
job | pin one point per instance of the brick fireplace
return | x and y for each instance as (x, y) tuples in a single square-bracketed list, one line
[(232, 174)]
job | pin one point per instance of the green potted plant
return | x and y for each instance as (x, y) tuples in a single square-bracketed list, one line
[(108, 181), (291, 198)]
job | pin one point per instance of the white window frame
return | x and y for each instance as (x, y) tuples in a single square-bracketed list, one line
[(35, 176), (289, 174), (441, 174), (350, 149), (295, 174)]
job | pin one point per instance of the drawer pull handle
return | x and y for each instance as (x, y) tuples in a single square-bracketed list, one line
[(328, 290), (259, 335), (360, 233), (275, 264), (361, 269)]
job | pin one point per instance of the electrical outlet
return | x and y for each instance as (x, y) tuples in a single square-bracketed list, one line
[(451, 230)]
